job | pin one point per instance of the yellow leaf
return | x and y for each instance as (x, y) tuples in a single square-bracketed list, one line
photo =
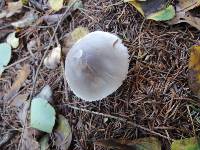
[(137, 6), (194, 70), (79, 33), (56, 4), (194, 62)]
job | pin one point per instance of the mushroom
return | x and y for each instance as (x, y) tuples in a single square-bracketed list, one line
[(96, 65)]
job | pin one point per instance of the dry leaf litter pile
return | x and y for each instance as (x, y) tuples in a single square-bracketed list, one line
[(95, 75)]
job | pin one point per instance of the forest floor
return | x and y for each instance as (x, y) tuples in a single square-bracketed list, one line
[(154, 100)]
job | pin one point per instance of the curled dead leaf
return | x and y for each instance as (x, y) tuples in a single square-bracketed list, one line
[(20, 79), (183, 14), (53, 59)]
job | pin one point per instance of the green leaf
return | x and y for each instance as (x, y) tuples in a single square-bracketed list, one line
[(56, 4), (5, 55), (186, 144), (163, 15), (63, 133), (42, 115)]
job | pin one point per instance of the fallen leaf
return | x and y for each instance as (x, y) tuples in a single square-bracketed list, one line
[(56, 4), (186, 144), (63, 134), (14, 7), (5, 55), (12, 40), (194, 70), (44, 142), (42, 115), (149, 143), (183, 14), (187, 5), (53, 59), (163, 15), (149, 7), (20, 79), (73, 37), (79, 33), (28, 19)]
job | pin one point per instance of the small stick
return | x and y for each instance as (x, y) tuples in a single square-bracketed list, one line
[(120, 119), (17, 62)]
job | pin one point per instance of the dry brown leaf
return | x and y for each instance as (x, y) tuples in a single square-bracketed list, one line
[(21, 77), (183, 14), (187, 5), (193, 21)]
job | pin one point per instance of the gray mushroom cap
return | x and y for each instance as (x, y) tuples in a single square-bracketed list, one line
[(96, 65)]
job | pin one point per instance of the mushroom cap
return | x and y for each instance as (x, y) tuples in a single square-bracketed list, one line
[(96, 65)]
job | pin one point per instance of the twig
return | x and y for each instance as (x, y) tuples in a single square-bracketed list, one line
[(17, 62), (65, 82), (191, 119), (118, 118)]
